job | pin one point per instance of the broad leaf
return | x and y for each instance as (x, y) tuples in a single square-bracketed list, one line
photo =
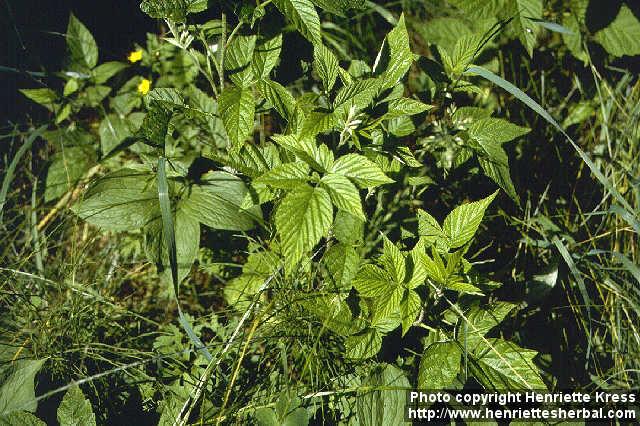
[(216, 203), (363, 345), (66, 170), (360, 170), (622, 36), (45, 97), (393, 261), (491, 131), (385, 404), (187, 240), (479, 321), (303, 217), (507, 366), (113, 130), (372, 281), (347, 228), (175, 10), (82, 46), (265, 56), (123, 200), (303, 15), (75, 409), (21, 418), (344, 194), (342, 261), (395, 57), (237, 110), (429, 228), (238, 59), (439, 365), (405, 106), (286, 176), (279, 97), (462, 223), (409, 309), (17, 392), (326, 66), (526, 29), (104, 72)]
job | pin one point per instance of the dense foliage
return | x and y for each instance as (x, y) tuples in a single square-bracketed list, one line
[(289, 211)]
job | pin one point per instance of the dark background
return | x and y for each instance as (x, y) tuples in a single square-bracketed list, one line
[(31, 39)]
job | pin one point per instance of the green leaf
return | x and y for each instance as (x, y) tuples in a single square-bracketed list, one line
[(238, 59), (342, 261), (45, 97), (21, 418), (303, 217), (286, 176), (363, 345), (298, 417), (326, 66), (237, 109), (155, 125), (174, 10), (216, 203), (66, 169), (372, 281), (526, 28), (187, 240), (480, 8), (385, 404), (439, 365), (279, 97), (334, 314), (265, 56), (409, 309), (344, 194), (386, 308), (70, 87), (359, 95), (265, 416), (492, 131), (347, 228), (81, 44), (405, 106), (393, 261), (304, 17), (362, 171), (94, 95), (416, 271), (123, 200), (499, 173), (462, 223), (17, 392), (507, 366), (480, 320), (104, 72), (339, 7), (113, 130), (622, 36), (75, 409), (464, 52), (395, 58), (429, 228)]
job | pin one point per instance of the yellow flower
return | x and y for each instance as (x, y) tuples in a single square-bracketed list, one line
[(135, 56), (144, 86)]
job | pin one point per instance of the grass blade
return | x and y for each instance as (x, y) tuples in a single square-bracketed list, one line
[(523, 97), (578, 277), (170, 239), (14, 163)]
